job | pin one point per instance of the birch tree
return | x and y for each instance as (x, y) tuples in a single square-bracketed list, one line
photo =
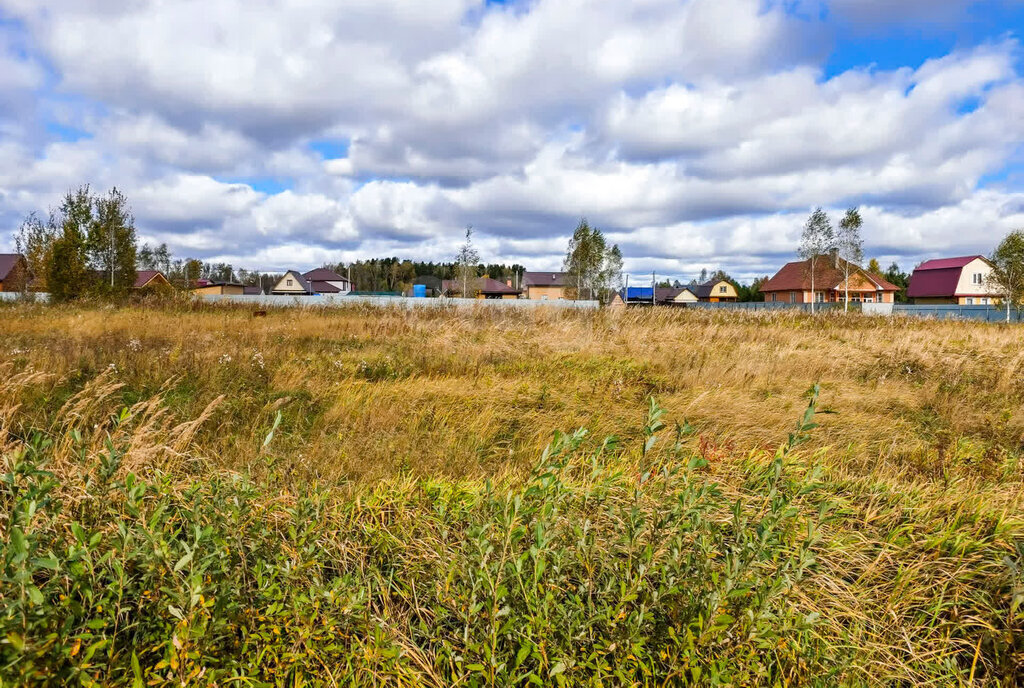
[(1008, 270), (816, 242), (466, 261), (850, 247)]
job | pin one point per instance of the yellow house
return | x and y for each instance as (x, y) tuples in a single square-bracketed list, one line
[(292, 284), (716, 291), (671, 296), (207, 288), (544, 286)]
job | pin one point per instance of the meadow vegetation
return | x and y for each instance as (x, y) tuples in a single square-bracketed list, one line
[(191, 495)]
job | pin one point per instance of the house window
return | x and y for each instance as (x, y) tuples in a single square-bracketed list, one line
[(775, 297), (792, 297), (984, 301), (819, 296), (868, 298), (977, 278), (969, 301), (723, 290), (288, 283)]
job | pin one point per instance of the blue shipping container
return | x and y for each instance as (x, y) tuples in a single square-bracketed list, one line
[(419, 291)]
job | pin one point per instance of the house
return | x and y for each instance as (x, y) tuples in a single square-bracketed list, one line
[(715, 291), (252, 290), (324, 281), (14, 272), (292, 284), (963, 281), (544, 286), (205, 287), (792, 284), (481, 288), (675, 296), (151, 280)]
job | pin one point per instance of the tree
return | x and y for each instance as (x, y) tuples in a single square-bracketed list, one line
[(901, 279), (818, 240), (68, 275), (34, 240), (873, 267), (593, 268), (111, 242), (611, 273), (1008, 269), (466, 261), (849, 248)]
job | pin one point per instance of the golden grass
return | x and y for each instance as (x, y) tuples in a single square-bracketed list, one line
[(923, 451), (368, 392)]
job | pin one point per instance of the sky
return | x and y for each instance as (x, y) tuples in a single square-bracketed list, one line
[(277, 134)]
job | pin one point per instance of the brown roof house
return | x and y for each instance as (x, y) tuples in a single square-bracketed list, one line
[(14, 272), (292, 284), (545, 286), (675, 296), (481, 288), (963, 281), (715, 291), (205, 287), (792, 284), (324, 281)]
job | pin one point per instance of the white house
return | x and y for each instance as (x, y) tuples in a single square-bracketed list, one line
[(963, 281)]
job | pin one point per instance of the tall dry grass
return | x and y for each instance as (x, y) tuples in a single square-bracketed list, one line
[(917, 575)]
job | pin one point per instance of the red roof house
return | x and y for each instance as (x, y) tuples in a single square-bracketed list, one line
[(792, 284), (14, 272), (962, 280), (151, 279)]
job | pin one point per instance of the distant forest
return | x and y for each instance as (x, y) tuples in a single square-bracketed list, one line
[(394, 274)]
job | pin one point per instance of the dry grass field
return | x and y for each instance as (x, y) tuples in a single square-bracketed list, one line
[(364, 497)]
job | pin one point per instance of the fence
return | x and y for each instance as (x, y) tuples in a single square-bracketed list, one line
[(992, 314), (338, 301), (767, 306), (18, 296)]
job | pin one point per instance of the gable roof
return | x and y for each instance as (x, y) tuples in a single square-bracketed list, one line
[(298, 278), (796, 276), (323, 275), (946, 263), (7, 263), (544, 279), (938, 278), (144, 277)]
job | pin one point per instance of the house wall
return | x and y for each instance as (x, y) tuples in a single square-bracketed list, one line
[(282, 285), (938, 301), (545, 293), (344, 286), (966, 286), (220, 290)]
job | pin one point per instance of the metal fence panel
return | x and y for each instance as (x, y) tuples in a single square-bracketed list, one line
[(331, 300)]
